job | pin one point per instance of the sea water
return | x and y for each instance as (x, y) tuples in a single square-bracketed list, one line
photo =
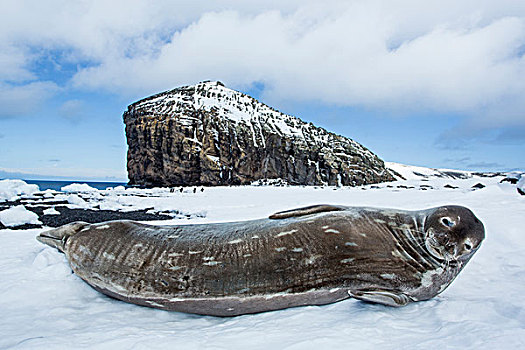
[(57, 185)]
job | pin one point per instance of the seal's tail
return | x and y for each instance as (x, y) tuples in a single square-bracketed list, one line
[(57, 237)]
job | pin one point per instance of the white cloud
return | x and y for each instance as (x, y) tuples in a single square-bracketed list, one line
[(24, 99), (52, 172), (73, 110), (443, 56), (13, 64)]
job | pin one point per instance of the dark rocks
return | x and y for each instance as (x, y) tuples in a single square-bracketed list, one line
[(210, 135), (478, 186), (21, 227), (512, 178), (488, 174), (516, 178), (438, 173), (68, 215), (455, 174)]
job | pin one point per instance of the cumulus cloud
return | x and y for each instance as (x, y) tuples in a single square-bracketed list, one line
[(460, 59), (13, 64), (405, 56), (91, 34)]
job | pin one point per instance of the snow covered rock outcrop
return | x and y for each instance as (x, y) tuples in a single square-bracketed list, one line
[(412, 172), (207, 134), (521, 185)]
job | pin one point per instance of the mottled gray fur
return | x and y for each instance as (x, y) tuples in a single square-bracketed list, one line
[(307, 256)]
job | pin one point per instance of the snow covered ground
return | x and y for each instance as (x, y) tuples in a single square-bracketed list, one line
[(44, 305)]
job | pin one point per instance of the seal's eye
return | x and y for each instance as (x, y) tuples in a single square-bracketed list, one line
[(448, 222), (468, 246)]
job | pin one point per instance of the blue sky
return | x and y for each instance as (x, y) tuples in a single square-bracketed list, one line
[(434, 83)]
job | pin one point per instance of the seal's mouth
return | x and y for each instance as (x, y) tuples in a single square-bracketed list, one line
[(58, 237), (437, 249)]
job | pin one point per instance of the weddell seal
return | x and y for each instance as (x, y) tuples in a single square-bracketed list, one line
[(307, 256)]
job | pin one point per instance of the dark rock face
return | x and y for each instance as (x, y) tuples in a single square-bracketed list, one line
[(207, 134)]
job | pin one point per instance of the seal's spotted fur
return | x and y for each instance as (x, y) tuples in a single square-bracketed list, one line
[(307, 256)]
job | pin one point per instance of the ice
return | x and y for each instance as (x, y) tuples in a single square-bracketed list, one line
[(78, 188), (49, 193), (44, 305), (18, 215), (11, 190), (117, 189), (111, 203), (77, 201), (51, 211)]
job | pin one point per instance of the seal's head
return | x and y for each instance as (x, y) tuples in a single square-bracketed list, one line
[(453, 233)]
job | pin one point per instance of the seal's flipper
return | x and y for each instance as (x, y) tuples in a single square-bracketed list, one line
[(382, 297), (313, 209), (57, 237)]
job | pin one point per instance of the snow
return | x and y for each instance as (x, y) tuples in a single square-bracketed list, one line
[(514, 175), (117, 189), (77, 201), (18, 215), (521, 185), (78, 188), (214, 159), (412, 172), (49, 193), (51, 211), (111, 203), (44, 305), (237, 107), (10, 190)]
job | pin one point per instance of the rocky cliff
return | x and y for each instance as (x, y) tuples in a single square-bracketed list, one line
[(207, 134)]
